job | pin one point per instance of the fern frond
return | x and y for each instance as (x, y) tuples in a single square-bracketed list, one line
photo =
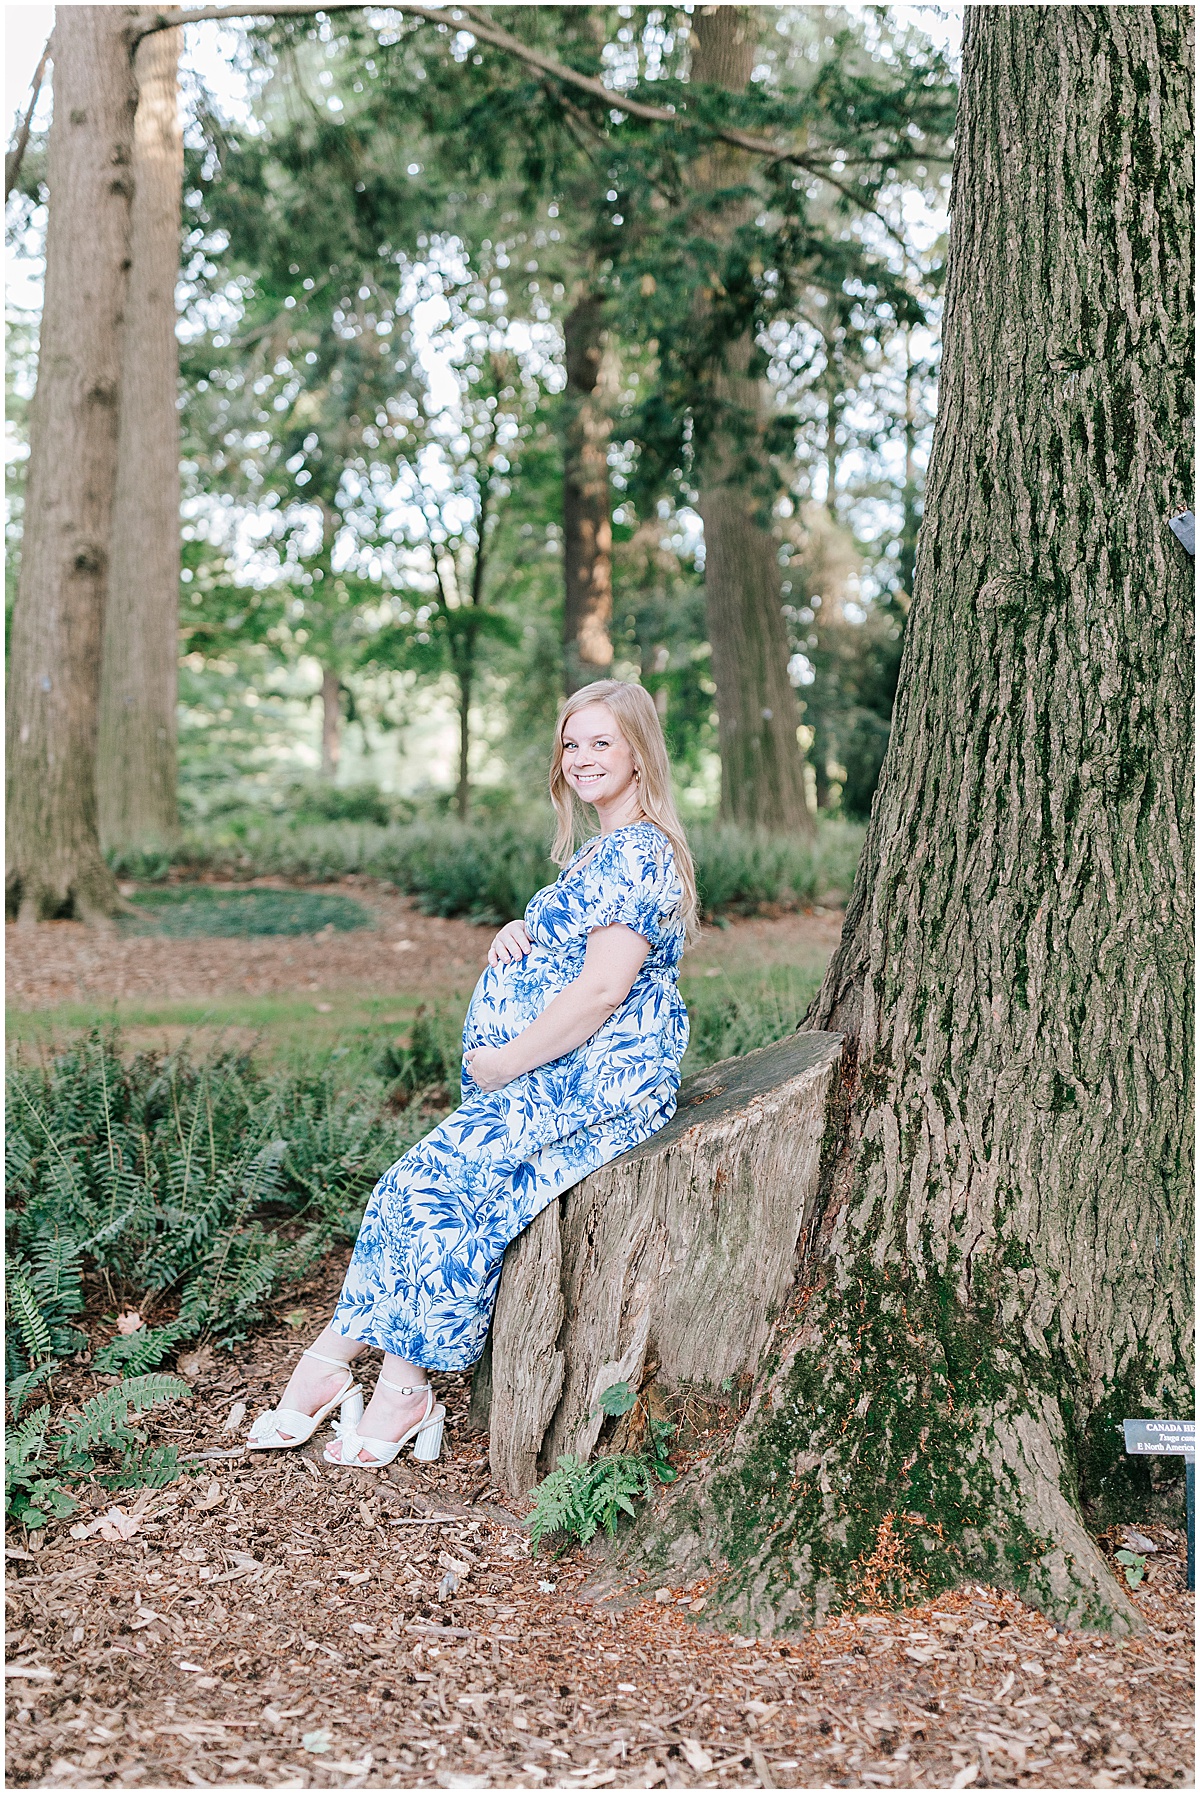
[(20, 1388), (24, 1443), (31, 1323), (107, 1415)]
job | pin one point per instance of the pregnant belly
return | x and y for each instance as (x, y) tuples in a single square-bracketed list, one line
[(508, 997)]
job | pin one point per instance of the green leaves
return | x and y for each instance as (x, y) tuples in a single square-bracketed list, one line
[(198, 1188), (1133, 1565), (578, 1498), (617, 1399)]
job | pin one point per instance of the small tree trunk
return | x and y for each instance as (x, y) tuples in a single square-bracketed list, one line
[(136, 765), (462, 796), (54, 862), (331, 723), (587, 500), (762, 765), (1003, 1272)]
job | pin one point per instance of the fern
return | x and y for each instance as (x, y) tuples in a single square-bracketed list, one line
[(577, 1498), (19, 1388), (107, 1416), (198, 1189), (31, 1324)]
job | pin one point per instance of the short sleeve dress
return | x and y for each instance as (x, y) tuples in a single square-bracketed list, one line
[(426, 1266)]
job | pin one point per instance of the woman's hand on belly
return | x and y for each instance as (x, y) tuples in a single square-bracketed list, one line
[(512, 942), (488, 1067)]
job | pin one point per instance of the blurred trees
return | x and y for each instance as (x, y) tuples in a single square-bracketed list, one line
[(714, 332)]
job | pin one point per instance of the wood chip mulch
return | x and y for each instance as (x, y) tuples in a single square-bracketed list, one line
[(272, 1621)]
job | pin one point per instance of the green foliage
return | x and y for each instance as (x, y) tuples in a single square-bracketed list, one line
[(740, 871), (578, 1498), (617, 1399), (425, 1064), (196, 1192), (201, 910), (1133, 1565), (487, 871), (44, 1457), (733, 1014)]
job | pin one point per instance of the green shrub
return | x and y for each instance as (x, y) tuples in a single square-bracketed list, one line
[(190, 1191), (488, 871), (426, 1064), (739, 871), (195, 1190)]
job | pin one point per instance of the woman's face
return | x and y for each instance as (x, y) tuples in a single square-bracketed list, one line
[(597, 761)]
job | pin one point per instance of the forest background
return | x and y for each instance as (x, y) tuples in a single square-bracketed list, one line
[(417, 321)]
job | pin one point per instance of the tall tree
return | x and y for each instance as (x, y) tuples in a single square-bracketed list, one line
[(136, 770), (1001, 1269), (762, 765), (54, 865), (587, 496)]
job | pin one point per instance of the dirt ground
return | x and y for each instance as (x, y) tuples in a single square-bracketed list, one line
[(405, 954), (273, 1621)]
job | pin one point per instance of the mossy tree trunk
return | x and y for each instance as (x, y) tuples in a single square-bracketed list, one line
[(136, 760), (762, 764), (587, 498), (54, 864), (1003, 1271)]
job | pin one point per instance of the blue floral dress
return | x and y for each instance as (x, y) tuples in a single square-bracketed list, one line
[(423, 1278)]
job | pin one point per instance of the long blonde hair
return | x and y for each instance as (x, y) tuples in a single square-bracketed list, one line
[(633, 708)]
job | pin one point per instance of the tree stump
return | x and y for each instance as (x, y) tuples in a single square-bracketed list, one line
[(677, 1254)]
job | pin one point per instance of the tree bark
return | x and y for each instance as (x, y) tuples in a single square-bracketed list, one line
[(1003, 1270), (331, 722), (762, 765), (136, 763), (669, 1264), (587, 500), (54, 863)]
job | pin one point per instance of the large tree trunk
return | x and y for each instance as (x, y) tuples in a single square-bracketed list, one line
[(762, 765), (1003, 1271), (54, 862), (136, 764), (587, 500)]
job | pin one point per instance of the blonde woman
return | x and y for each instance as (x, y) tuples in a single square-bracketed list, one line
[(571, 1053)]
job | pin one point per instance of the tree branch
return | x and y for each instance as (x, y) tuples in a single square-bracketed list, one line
[(16, 155), (468, 18)]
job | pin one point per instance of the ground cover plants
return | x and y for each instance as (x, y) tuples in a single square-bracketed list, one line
[(487, 871), (156, 1201)]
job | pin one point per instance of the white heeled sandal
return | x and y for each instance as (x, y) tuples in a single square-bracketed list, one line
[(267, 1433), (426, 1434)]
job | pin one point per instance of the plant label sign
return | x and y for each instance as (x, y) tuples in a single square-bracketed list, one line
[(1161, 1438), (1173, 1439)]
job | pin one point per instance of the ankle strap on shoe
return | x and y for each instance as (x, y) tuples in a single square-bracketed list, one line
[(404, 1388), (323, 1358)]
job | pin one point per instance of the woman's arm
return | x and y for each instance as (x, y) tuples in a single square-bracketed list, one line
[(612, 960)]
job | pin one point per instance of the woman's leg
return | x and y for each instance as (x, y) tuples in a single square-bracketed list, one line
[(390, 1414), (312, 1383)]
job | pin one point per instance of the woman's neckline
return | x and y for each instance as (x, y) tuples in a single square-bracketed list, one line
[(593, 842)]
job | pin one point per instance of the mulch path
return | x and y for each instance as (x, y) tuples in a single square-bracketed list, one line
[(67, 962), (276, 1622)]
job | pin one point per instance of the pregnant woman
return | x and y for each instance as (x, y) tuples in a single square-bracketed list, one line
[(571, 1054)]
